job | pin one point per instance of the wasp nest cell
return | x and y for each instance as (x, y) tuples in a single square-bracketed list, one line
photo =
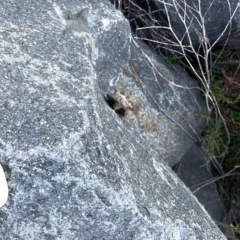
[(119, 102)]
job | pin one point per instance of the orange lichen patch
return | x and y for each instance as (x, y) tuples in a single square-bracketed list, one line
[(149, 124)]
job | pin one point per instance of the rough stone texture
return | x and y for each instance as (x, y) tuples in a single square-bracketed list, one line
[(165, 102), (213, 14), (75, 168)]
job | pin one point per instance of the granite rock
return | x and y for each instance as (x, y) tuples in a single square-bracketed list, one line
[(76, 169), (165, 102)]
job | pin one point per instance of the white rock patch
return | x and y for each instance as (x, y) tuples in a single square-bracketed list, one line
[(3, 188)]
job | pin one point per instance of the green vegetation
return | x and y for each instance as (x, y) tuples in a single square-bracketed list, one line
[(227, 229), (223, 141), (221, 138)]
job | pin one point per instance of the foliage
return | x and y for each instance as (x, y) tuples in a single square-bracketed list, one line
[(228, 228), (225, 85)]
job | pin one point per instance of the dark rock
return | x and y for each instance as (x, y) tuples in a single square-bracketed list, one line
[(192, 171), (202, 13), (186, 17), (75, 168)]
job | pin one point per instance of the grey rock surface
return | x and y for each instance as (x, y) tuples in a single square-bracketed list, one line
[(75, 168), (165, 102)]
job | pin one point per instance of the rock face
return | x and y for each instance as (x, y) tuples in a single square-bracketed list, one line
[(191, 171), (76, 168), (164, 102)]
